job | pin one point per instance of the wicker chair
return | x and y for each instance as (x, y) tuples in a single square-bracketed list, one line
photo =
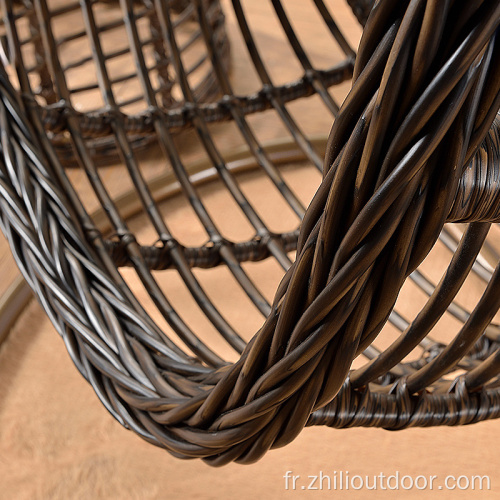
[(414, 146)]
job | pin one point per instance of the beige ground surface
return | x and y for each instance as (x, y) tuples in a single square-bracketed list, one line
[(58, 442)]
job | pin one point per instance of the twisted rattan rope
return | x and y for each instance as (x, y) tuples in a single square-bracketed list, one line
[(380, 206)]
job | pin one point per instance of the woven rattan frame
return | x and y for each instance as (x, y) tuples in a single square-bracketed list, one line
[(414, 145), (71, 31)]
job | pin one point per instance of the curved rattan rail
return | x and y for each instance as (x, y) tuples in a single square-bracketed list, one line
[(49, 36), (414, 145)]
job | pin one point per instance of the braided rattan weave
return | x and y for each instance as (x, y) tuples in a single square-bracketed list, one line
[(414, 147)]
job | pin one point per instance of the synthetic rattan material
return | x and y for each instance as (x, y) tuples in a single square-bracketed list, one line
[(414, 145), (52, 33)]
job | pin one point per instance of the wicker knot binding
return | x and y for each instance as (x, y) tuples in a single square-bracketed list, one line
[(406, 151)]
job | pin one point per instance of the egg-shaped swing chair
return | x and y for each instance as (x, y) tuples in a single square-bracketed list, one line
[(410, 170)]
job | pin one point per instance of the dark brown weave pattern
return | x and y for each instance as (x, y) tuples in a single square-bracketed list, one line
[(414, 145), (50, 34)]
